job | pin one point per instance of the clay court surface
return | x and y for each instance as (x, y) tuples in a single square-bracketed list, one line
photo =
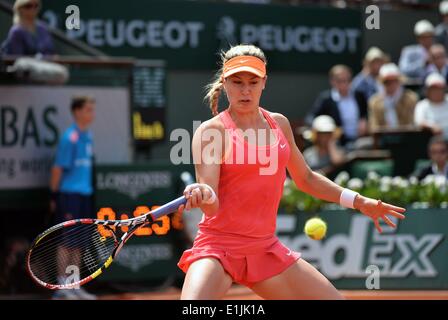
[(242, 293)]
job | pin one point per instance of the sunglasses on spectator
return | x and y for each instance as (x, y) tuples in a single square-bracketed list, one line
[(31, 5), (388, 82)]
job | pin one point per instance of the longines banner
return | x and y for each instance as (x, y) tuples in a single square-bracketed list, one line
[(125, 191), (189, 35), (134, 185)]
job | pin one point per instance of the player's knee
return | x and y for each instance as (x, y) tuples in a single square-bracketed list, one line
[(205, 279)]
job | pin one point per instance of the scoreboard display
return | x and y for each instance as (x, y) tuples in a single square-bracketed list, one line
[(149, 102), (128, 191)]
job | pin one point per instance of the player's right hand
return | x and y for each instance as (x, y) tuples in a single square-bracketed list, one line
[(197, 194)]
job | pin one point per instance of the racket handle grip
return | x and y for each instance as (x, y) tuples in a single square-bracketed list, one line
[(168, 208)]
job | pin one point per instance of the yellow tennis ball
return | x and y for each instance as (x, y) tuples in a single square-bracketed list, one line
[(315, 228)]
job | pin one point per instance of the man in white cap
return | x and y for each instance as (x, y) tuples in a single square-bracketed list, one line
[(395, 107), (324, 154), (414, 58), (432, 113), (366, 81), (441, 31)]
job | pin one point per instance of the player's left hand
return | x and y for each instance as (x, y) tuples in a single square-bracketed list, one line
[(376, 210)]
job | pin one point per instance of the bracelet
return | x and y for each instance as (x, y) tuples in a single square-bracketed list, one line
[(347, 199)]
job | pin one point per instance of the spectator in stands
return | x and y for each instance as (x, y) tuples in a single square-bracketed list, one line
[(27, 36), (441, 31), (439, 62), (438, 153), (432, 113), (367, 80), (324, 153), (395, 107), (415, 58), (347, 108), (71, 181)]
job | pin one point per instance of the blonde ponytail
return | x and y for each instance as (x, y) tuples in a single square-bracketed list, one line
[(213, 93)]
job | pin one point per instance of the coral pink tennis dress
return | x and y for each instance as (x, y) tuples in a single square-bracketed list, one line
[(241, 235)]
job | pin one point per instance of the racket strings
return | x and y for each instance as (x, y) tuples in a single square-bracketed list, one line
[(68, 264), (45, 275), (79, 248), (74, 241), (88, 258), (64, 255), (67, 237), (103, 248), (68, 232)]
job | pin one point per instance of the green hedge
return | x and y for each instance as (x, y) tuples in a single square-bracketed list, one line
[(432, 192)]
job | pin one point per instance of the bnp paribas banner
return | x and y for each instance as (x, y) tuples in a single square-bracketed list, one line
[(354, 255), (33, 118), (189, 34)]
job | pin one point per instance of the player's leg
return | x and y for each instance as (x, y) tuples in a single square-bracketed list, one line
[(300, 281), (205, 279)]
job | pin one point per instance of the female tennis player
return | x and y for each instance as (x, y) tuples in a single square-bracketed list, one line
[(239, 193)]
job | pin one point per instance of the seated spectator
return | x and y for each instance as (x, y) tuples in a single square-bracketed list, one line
[(432, 113), (395, 107), (27, 36), (438, 153), (441, 30), (347, 108), (324, 152), (415, 58), (366, 81), (439, 63)]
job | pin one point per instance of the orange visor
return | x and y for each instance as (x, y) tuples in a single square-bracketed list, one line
[(250, 64)]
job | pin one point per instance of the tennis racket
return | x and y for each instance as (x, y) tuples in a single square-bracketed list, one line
[(74, 252)]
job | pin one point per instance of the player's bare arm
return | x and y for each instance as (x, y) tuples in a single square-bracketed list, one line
[(208, 148)]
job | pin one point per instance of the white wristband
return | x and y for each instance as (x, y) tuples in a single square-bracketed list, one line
[(347, 199), (213, 198)]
